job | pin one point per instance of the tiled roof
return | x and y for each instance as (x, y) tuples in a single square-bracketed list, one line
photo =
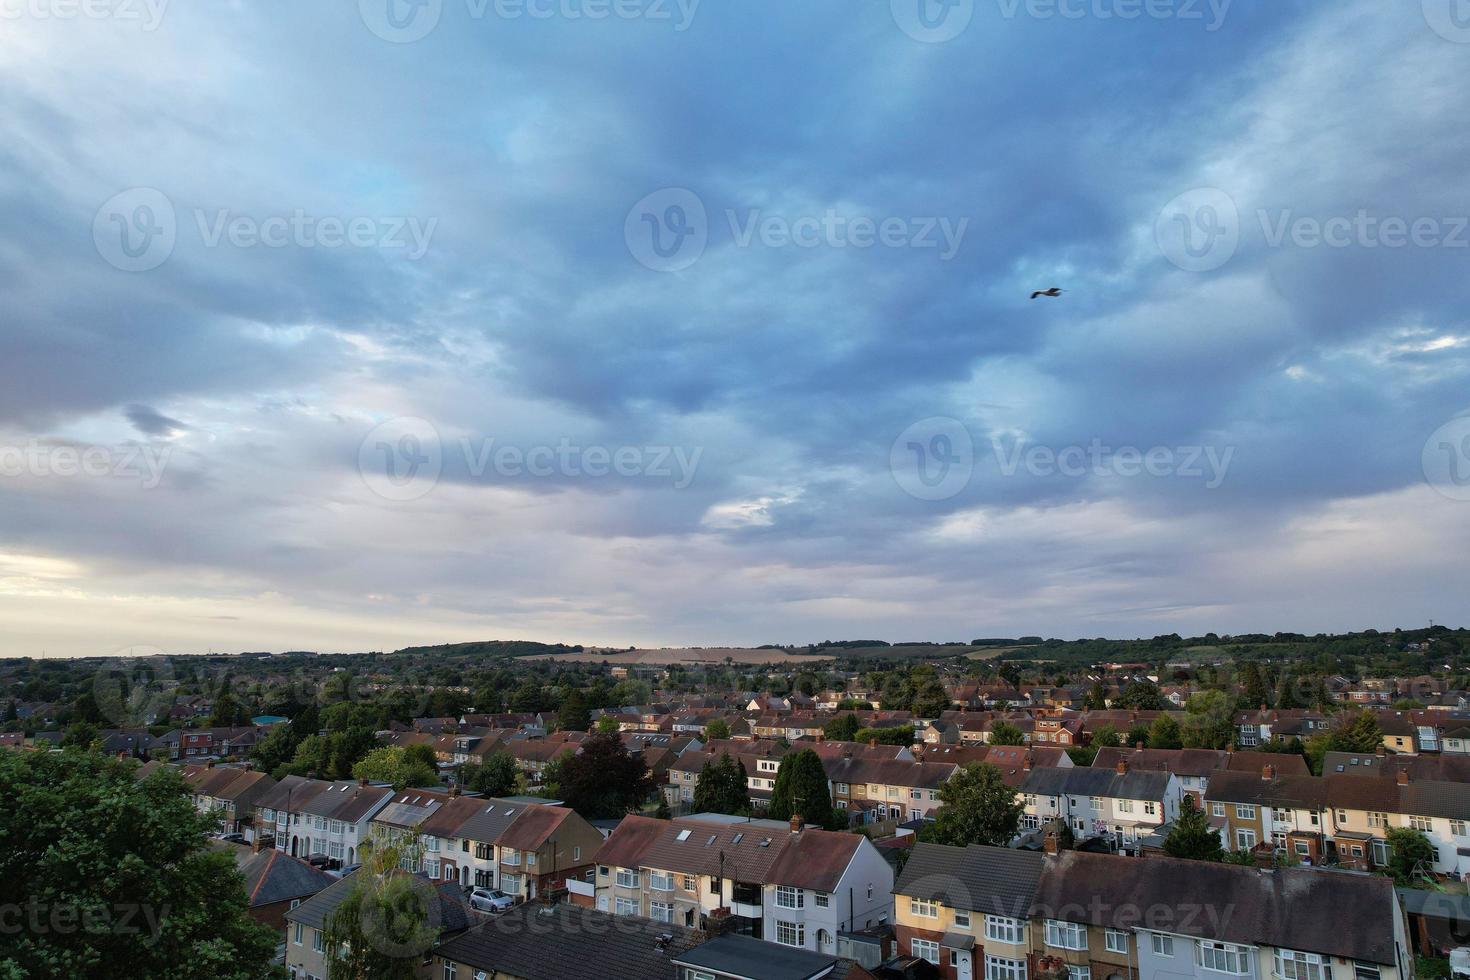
[(568, 942), (531, 829), (741, 849), (991, 880), (815, 859)]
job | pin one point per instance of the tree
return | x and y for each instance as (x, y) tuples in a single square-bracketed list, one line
[(718, 729), (607, 725), (602, 780), (1410, 855), (496, 776), (1245, 859), (722, 787), (1209, 721), (275, 750), (228, 711), (387, 920), (976, 807), (893, 735), (1164, 733), (1104, 737), (663, 812), (1192, 836), (80, 735), (398, 765), (843, 728), (1096, 699), (1254, 693), (1004, 733), (574, 716), (1142, 696), (1137, 735), (1362, 734), (802, 790), (93, 844)]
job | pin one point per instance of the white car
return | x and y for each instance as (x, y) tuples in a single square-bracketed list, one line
[(490, 900)]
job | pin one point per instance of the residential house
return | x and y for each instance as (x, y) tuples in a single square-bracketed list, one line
[(1119, 804), (231, 794), (319, 816), (1195, 766)]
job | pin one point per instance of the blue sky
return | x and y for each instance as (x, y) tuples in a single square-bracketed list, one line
[(342, 326)]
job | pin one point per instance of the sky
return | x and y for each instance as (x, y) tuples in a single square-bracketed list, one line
[(355, 325)]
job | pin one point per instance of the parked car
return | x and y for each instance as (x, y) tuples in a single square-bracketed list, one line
[(490, 900), (322, 861), (233, 838)]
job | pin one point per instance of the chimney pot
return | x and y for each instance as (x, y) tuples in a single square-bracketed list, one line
[(1138, 746), (873, 743), (1050, 844), (1122, 767), (362, 781), (1268, 772), (454, 790), (1403, 777), (796, 823)]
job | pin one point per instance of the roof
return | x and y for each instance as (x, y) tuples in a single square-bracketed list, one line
[(1084, 781), (815, 859), (1307, 909), (730, 848), (1294, 792), (273, 876), (569, 942), (534, 825), (1200, 762), (743, 956), (890, 772), (996, 880), (490, 818), (1426, 798), (450, 909)]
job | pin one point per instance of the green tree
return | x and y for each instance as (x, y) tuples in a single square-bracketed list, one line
[(1164, 733), (1245, 859), (386, 922), (80, 735), (976, 807), (83, 836), (843, 728), (1142, 696), (802, 790), (1004, 733), (275, 750), (1209, 721), (892, 735), (722, 787), (573, 715), (1362, 734), (1192, 836), (1137, 736), (718, 729), (496, 776), (602, 780), (607, 725), (1096, 699), (1254, 693), (1104, 737), (398, 765), (1410, 855)]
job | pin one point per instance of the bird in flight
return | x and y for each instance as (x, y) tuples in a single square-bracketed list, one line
[(1052, 292)]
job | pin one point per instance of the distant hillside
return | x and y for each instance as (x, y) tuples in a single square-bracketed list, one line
[(493, 648)]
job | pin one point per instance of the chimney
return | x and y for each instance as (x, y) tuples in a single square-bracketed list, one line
[(1050, 843), (796, 823), (1122, 767), (1265, 708), (1380, 749), (362, 781), (820, 736), (1026, 762), (1403, 777), (454, 790), (1138, 746), (1268, 772), (255, 844), (873, 743)]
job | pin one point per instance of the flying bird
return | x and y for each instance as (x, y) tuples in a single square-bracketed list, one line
[(1052, 292)]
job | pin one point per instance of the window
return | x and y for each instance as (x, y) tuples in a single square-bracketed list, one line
[(1245, 840), (1065, 935), (1000, 929), (822, 899), (926, 950), (1218, 809), (626, 906), (1421, 823), (1377, 819), (790, 933), (316, 941), (296, 936), (1095, 802), (997, 968), (661, 912), (1224, 958), (336, 826), (1150, 807), (1116, 941), (576, 854), (1125, 806), (1457, 827), (1079, 972), (689, 883), (1245, 812), (962, 918), (450, 970), (1291, 965), (660, 881), (1366, 971), (1163, 945), (789, 898), (508, 856), (628, 878), (431, 867)]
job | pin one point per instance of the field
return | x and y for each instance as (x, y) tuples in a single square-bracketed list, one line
[(684, 655)]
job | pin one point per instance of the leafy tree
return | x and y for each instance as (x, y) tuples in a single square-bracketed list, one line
[(228, 711), (976, 807), (717, 729), (574, 716), (1096, 699), (85, 838), (802, 789), (1243, 858), (1253, 690), (607, 725), (722, 787), (1104, 737), (80, 735), (274, 750), (1410, 855), (496, 776), (1209, 721), (398, 765), (893, 735), (387, 921), (843, 728), (11, 713), (1004, 733), (603, 780), (1164, 733), (1142, 696), (1362, 734), (663, 812), (1192, 836), (1137, 735)]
